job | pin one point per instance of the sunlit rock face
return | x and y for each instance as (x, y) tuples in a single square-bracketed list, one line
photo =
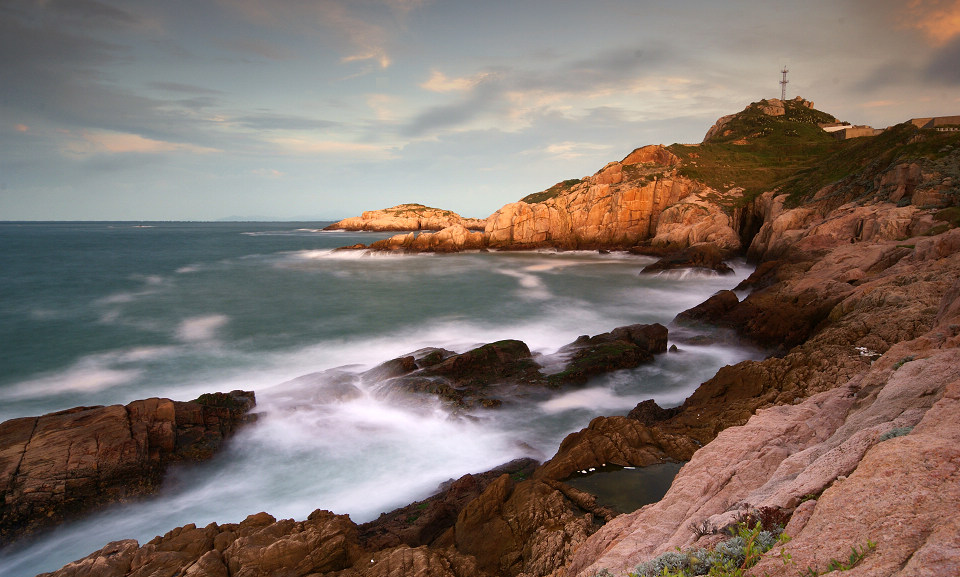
[(617, 206), (407, 217)]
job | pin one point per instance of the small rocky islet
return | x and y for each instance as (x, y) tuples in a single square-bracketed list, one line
[(846, 431)]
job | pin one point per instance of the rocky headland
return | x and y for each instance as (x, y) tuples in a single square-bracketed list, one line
[(845, 435), (403, 217)]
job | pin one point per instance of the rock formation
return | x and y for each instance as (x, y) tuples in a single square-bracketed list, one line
[(413, 217), (848, 429), (69, 462), (488, 375)]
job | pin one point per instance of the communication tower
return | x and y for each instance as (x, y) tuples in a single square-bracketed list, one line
[(783, 84)]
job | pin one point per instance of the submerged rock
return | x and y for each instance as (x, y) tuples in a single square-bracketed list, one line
[(70, 462)]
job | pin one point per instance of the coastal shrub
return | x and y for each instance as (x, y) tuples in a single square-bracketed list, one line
[(730, 558), (897, 432), (902, 362), (705, 527)]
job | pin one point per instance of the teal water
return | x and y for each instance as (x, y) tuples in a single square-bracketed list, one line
[(101, 313)]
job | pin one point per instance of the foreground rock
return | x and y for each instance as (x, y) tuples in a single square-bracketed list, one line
[(874, 459), (413, 217), (66, 463), (479, 525)]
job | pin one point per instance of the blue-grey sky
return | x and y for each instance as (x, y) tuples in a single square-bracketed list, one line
[(319, 109)]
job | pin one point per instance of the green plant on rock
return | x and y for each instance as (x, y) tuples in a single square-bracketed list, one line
[(903, 361), (892, 433), (857, 554), (731, 558)]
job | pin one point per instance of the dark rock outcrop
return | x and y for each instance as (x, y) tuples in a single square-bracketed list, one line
[(622, 348), (69, 462), (704, 255), (487, 375)]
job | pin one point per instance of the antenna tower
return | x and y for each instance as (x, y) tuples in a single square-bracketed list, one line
[(783, 84)]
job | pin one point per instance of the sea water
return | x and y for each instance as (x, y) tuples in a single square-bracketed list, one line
[(103, 313)]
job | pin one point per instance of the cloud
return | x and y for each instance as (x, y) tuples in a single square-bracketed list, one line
[(510, 96), (21, 128), (183, 88), (309, 146), (880, 103), (440, 82), (53, 72), (256, 47), (944, 67), (938, 20), (98, 142), (93, 12), (267, 173), (364, 31), (569, 150), (483, 98), (273, 121)]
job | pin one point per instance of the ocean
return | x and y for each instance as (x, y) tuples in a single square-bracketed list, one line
[(108, 312)]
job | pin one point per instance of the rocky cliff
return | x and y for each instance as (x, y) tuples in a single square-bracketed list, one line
[(658, 199), (846, 433), (407, 217)]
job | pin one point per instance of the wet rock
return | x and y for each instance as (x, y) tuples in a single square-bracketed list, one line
[(62, 464), (524, 527), (622, 348), (705, 255), (712, 310), (617, 441), (431, 521), (487, 375), (649, 413), (490, 363)]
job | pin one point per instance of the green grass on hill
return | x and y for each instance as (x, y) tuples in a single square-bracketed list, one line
[(553, 191), (756, 152), (900, 143)]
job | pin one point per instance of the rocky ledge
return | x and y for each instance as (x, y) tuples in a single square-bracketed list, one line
[(70, 462), (403, 217)]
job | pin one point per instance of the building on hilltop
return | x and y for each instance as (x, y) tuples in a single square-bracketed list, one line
[(845, 131), (938, 123)]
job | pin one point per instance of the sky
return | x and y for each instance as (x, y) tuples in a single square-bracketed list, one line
[(320, 109)]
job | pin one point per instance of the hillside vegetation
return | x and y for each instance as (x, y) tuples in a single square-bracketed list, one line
[(757, 151)]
